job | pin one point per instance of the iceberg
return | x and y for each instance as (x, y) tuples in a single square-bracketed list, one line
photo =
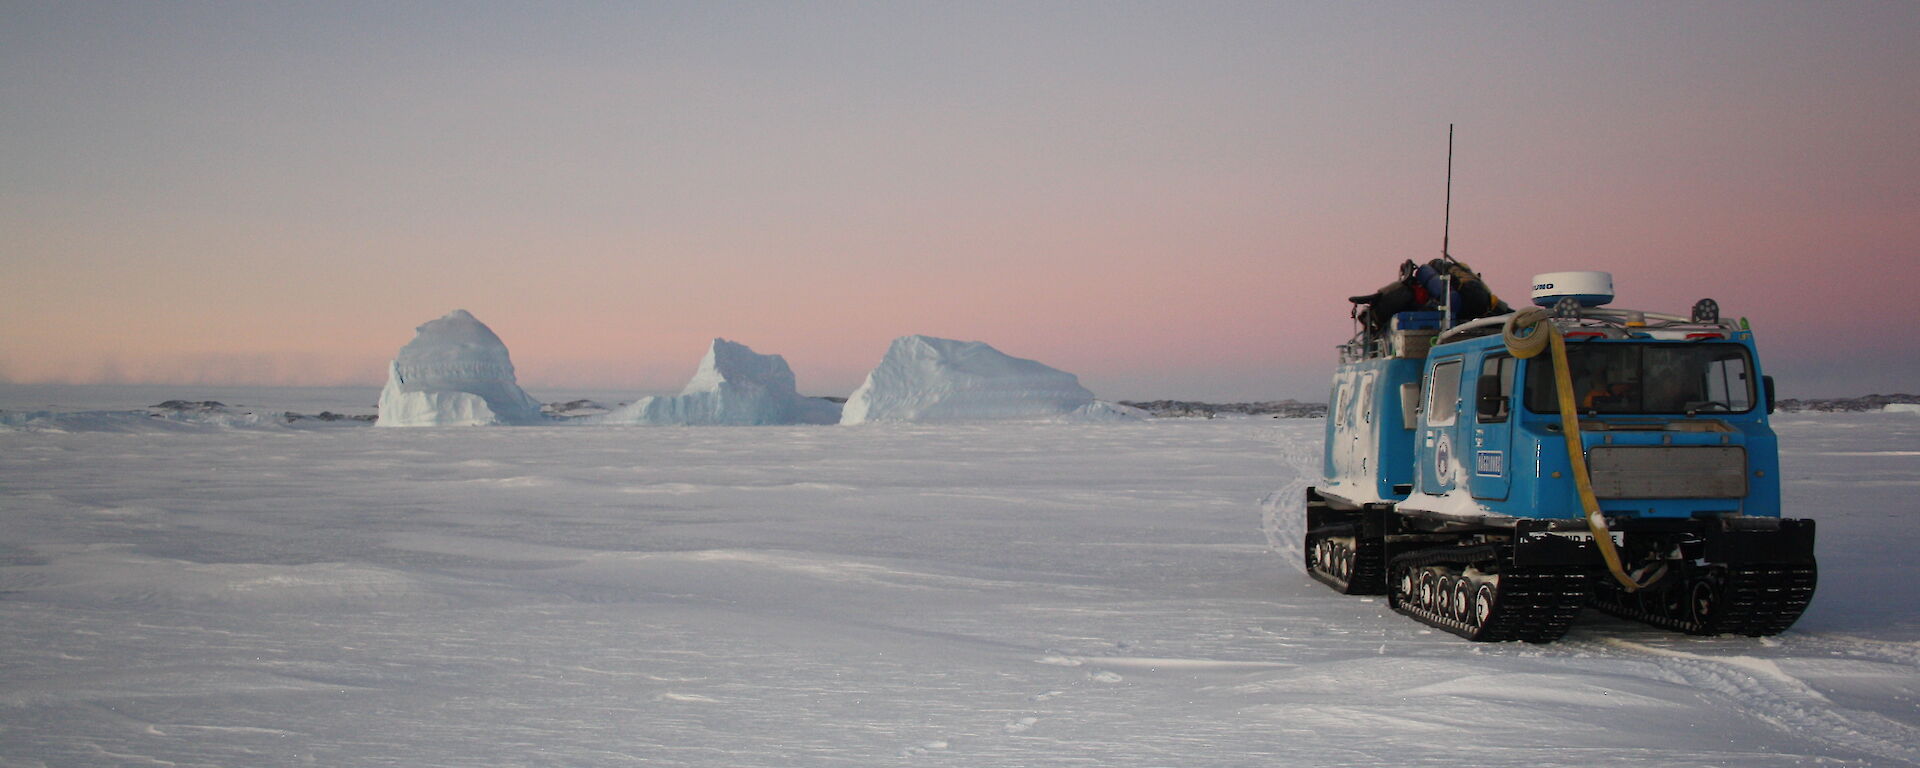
[(1101, 410), (923, 378), (734, 386), (455, 372)]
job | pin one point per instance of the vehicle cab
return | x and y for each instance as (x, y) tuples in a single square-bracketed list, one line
[(1673, 418)]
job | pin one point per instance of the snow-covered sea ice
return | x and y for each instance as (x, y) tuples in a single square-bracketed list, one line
[(970, 594)]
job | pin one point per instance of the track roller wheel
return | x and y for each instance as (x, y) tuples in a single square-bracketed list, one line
[(1461, 597), (1481, 606)]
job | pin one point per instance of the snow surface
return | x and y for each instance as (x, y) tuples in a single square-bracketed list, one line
[(733, 386), (993, 594), (924, 379), (455, 372)]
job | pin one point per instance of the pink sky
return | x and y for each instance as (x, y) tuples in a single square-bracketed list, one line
[(1170, 201)]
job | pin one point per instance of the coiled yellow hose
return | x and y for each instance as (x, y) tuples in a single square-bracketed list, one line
[(1526, 333)]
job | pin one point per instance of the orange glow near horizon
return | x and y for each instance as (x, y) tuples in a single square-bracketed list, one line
[(1168, 202)]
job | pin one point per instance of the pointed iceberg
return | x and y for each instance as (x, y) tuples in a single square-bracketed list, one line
[(455, 372), (734, 387), (922, 378)]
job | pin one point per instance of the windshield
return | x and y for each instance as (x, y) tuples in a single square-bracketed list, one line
[(1647, 378)]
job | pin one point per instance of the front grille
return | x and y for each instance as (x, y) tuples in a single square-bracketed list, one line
[(1668, 471)]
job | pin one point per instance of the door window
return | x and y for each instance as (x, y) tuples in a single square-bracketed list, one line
[(1443, 399), (1501, 366)]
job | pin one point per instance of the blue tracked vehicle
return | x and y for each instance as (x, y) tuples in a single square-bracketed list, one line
[(1449, 484)]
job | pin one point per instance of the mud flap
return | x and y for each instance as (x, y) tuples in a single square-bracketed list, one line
[(1791, 543), (1536, 546)]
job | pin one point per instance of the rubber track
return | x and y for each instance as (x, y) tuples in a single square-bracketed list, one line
[(1369, 562), (1533, 605), (1756, 600)]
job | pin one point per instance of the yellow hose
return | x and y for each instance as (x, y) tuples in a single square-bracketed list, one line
[(1526, 333)]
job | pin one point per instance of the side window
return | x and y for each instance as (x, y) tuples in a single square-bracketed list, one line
[(1366, 399), (1495, 368), (1729, 384), (1443, 398), (1343, 409)]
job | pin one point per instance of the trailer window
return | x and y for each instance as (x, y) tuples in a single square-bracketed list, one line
[(1366, 399), (1443, 398), (1641, 378)]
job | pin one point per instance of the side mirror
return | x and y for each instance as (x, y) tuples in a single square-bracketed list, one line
[(1767, 382), (1491, 401)]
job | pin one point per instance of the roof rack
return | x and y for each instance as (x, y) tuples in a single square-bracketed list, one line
[(1611, 323)]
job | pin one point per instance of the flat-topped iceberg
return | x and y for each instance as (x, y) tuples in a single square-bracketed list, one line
[(736, 387), (923, 378), (455, 372)]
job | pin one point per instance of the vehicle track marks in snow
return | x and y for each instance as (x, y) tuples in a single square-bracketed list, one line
[(922, 749), (1893, 652), (1155, 664), (1761, 688), (1283, 512)]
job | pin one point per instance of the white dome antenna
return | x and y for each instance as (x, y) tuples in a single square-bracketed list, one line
[(1590, 289)]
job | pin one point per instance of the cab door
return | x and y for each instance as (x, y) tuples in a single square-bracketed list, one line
[(1489, 411)]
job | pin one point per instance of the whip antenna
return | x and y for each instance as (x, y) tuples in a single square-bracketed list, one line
[(1446, 226)]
